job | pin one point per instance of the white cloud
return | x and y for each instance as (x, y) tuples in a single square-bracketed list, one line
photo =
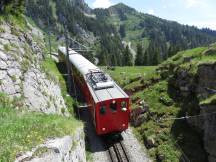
[(102, 3), (164, 6), (151, 12), (193, 3)]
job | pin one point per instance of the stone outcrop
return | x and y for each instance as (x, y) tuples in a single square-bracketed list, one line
[(40, 94), (206, 87), (63, 149), (140, 114), (209, 128), (201, 85), (206, 80), (20, 73)]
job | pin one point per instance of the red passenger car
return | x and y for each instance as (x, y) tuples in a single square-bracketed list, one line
[(108, 103)]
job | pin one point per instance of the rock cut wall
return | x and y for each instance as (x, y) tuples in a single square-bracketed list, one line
[(21, 53)]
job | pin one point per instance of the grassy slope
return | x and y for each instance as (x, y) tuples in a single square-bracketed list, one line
[(123, 75), (172, 138), (20, 131), (133, 34), (197, 57)]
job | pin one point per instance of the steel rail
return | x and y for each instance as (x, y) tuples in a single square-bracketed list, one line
[(118, 152)]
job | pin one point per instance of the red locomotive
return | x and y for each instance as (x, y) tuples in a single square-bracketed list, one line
[(108, 103)]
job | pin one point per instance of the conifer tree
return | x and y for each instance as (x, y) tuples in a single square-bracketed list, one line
[(145, 59), (127, 58), (139, 55), (122, 31)]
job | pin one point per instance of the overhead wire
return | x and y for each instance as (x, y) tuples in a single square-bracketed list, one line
[(187, 117)]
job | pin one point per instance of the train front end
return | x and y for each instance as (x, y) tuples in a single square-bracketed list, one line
[(112, 110), (112, 116)]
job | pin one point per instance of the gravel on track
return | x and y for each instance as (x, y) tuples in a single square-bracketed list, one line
[(135, 150)]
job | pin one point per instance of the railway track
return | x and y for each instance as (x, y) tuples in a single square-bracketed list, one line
[(118, 152)]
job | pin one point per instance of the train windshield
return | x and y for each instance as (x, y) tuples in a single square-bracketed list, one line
[(113, 106), (103, 110)]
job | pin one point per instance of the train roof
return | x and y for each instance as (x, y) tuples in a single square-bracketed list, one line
[(108, 93), (107, 90), (80, 62)]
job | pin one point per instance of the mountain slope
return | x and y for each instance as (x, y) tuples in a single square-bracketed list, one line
[(158, 36), (81, 25)]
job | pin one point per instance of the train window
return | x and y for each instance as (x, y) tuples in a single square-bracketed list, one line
[(103, 110), (113, 106), (124, 106)]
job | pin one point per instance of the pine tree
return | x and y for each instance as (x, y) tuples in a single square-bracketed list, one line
[(139, 55), (122, 31), (145, 60), (12, 6), (156, 57), (128, 58)]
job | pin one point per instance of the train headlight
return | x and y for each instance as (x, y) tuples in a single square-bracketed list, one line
[(124, 106)]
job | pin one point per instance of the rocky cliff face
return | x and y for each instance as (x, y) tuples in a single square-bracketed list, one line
[(199, 87), (20, 72), (23, 79), (207, 87)]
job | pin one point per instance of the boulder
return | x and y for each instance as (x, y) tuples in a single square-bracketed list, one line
[(139, 115), (150, 142)]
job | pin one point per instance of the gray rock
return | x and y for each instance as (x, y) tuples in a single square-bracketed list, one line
[(3, 73), (42, 94), (14, 72), (3, 65), (67, 149), (150, 142), (3, 42), (3, 56), (8, 36), (206, 79), (209, 127), (8, 86)]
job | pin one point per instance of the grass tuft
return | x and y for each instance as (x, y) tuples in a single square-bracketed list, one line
[(21, 131)]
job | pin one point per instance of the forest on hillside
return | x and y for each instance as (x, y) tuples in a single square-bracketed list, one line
[(12, 6), (106, 40), (153, 39)]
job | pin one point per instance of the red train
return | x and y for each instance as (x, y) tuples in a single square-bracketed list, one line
[(108, 103)]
